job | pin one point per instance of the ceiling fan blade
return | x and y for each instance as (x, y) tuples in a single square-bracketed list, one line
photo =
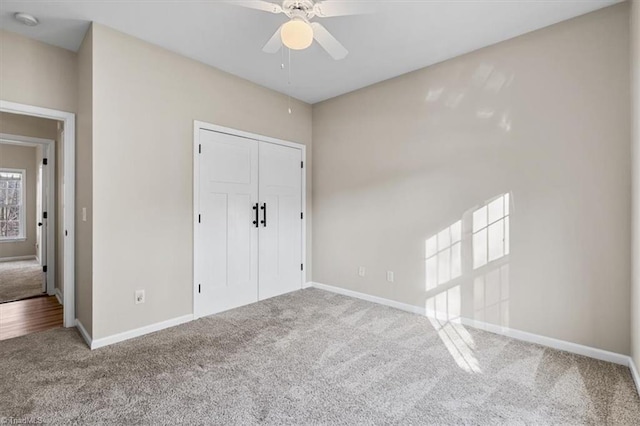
[(258, 5), (329, 8), (274, 44), (328, 42)]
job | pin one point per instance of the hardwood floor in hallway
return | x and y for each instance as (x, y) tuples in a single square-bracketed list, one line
[(29, 316)]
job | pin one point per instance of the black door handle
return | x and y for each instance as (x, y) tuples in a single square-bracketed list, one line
[(39, 223), (255, 222), (264, 215)]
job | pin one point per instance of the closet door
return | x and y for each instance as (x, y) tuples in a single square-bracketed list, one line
[(280, 242), (227, 262)]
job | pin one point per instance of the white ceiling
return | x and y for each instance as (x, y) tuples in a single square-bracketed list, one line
[(401, 36)]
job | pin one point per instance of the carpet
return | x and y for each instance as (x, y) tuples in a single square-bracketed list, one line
[(310, 357), (20, 279)]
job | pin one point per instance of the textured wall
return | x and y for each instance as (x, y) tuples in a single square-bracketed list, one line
[(144, 102), (35, 73), (84, 184), (635, 122), (543, 118)]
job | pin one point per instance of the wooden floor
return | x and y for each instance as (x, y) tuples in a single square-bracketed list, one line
[(28, 316)]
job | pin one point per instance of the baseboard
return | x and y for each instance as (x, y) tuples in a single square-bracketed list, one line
[(83, 332), (307, 284), (59, 296), (496, 329), (370, 298), (16, 258), (120, 337), (634, 373), (550, 342)]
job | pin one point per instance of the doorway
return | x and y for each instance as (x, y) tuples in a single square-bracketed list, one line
[(60, 282), (27, 249)]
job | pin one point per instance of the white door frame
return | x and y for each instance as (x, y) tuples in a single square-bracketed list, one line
[(48, 152), (69, 181), (201, 125)]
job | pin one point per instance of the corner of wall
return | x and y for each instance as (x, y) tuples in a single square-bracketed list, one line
[(635, 143), (84, 186)]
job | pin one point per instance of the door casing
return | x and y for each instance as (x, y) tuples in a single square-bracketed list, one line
[(200, 125)]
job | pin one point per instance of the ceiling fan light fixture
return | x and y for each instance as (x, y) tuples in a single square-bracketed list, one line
[(297, 34)]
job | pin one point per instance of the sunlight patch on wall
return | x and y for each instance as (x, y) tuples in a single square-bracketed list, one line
[(444, 256), (491, 296), (491, 231)]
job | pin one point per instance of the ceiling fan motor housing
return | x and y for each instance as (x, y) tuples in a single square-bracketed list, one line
[(298, 8)]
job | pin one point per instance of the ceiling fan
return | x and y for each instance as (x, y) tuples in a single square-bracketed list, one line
[(299, 32)]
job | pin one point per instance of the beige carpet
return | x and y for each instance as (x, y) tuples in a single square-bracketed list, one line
[(20, 280), (310, 358)]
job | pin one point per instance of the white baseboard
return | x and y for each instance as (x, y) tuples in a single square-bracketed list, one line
[(16, 258), (562, 345), (59, 296), (634, 373), (369, 298), (307, 284), (550, 342), (83, 332), (120, 337)]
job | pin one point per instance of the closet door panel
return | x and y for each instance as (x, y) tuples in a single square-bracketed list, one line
[(227, 260), (280, 240)]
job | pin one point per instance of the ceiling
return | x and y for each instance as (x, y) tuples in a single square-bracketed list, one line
[(401, 36)]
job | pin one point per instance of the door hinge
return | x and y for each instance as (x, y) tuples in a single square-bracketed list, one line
[(44, 268), (302, 164), (44, 215), (199, 219), (66, 233), (199, 288), (302, 267), (45, 161), (301, 215), (199, 148)]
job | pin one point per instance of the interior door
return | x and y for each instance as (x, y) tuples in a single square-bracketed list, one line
[(41, 224), (227, 263), (280, 242)]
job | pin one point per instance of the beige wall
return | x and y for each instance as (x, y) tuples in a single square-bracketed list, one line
[(144, 102), (543, 117), (635, 122), (22, 157), (84, 185), (36, 73)]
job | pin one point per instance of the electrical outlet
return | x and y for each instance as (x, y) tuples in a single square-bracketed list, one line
[(139, 296), (390, 276), (361, 271)]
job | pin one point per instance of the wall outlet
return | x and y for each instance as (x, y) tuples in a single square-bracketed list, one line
[(139, 296), (361, 271), (390, 276)]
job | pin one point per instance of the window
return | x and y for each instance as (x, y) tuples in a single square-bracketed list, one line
[(491, 231), (12, 214)]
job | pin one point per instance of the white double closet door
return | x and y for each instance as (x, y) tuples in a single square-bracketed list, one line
[(249, 230)]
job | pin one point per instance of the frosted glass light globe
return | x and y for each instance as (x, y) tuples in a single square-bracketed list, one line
[(297, 34)]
